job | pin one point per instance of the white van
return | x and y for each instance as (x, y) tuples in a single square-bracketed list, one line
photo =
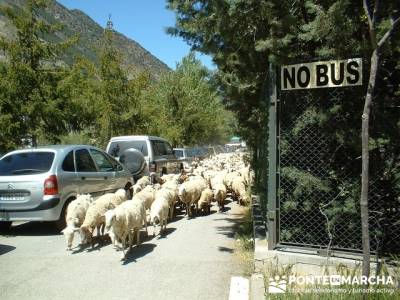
[(158, 155)]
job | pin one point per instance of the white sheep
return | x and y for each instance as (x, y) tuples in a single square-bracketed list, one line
[(229, 178), (123, 221), (76, 212), (205, 200), (147, 196), (141, 184), (95, 214), (159, 214), (220, 195), (170, 195), (190, 191), (239, 191)]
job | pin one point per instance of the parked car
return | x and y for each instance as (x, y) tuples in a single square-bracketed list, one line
[(214, 150), (37, 184), (157, 153), (186, 155)]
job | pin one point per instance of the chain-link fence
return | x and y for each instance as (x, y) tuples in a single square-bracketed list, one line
[(319, 167)]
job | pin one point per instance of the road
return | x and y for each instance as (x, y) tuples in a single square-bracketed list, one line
[(195, 259)]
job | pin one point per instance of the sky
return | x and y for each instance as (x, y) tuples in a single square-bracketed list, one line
[(143, 21)]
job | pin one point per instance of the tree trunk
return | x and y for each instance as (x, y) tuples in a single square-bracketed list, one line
[(365, 164)]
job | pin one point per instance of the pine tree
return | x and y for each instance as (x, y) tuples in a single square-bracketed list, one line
[(30, 107), (245, 36), (113, 88)]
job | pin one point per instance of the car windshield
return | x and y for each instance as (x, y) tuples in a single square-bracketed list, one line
[(117, 148), (26, 163)]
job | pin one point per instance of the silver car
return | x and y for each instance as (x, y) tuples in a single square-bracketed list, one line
[(37, 184)]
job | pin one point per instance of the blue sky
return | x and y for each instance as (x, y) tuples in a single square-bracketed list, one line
[(143, 21)]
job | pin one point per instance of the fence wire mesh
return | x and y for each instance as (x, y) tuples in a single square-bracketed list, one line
[(319, 175)]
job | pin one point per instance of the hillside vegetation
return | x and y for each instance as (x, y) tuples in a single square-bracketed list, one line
[(75, 22)]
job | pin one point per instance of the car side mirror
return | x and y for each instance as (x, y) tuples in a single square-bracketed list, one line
[(119, 168)]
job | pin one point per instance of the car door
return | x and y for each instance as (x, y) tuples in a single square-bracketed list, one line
[(106, 170), (158, 155), (172, 161), (121, 176), (89, 179)]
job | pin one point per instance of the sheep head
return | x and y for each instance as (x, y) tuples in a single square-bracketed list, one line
[(109, 218)]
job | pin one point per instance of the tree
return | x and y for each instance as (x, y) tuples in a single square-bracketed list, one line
[(245, 36), (113, 88), (372, 11), (79, 87), (30, 106), (185, 108)]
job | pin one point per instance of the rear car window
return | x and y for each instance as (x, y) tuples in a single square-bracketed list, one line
[(68, 163), (26, 163), (117, 148), (178, 153)]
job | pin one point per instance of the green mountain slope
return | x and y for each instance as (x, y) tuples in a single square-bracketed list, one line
[(136, 58)]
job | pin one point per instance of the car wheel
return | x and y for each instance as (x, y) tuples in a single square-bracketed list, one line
[(5, 226), (60, 223)]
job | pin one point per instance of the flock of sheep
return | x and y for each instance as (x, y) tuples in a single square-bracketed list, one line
[(207, 181)]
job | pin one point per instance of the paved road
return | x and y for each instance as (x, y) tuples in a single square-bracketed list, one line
[(193, 260)]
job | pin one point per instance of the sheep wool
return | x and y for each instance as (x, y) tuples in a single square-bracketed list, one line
[(95, 214), (159, 214), (76, 212)]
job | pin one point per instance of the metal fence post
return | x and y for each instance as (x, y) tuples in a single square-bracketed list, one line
[(272, 216)]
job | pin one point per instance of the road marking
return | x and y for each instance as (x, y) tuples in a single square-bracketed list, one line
[(239, 288)]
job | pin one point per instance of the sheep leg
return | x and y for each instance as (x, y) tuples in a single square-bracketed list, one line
[(131, 235), (145, 226), (188, 210), (138, 237), (123, 247)]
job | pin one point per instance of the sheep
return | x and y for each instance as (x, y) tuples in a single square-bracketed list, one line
[(124, 220), (229, 178), (147, 196), (245, 172), (95, 214), (204, 202), (159, 214), (76, 212), (141, 184), (190, 191), (170, 195), (220, 195), (239, 190)]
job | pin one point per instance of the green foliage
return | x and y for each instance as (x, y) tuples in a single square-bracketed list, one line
[(244, 37), (185, 108), (30, 105)]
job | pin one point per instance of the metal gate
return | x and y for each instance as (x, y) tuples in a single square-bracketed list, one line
[(314, 174)]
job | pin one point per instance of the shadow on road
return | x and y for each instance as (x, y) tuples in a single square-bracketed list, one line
[(166, 232), (32, 229), (138, 252), (233, 219), (176, 218), (225, 249), (6, 248)]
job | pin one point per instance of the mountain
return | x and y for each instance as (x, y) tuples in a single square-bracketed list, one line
[(136, 58)]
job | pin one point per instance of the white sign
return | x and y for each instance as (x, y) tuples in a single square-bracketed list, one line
[(322, 74)]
